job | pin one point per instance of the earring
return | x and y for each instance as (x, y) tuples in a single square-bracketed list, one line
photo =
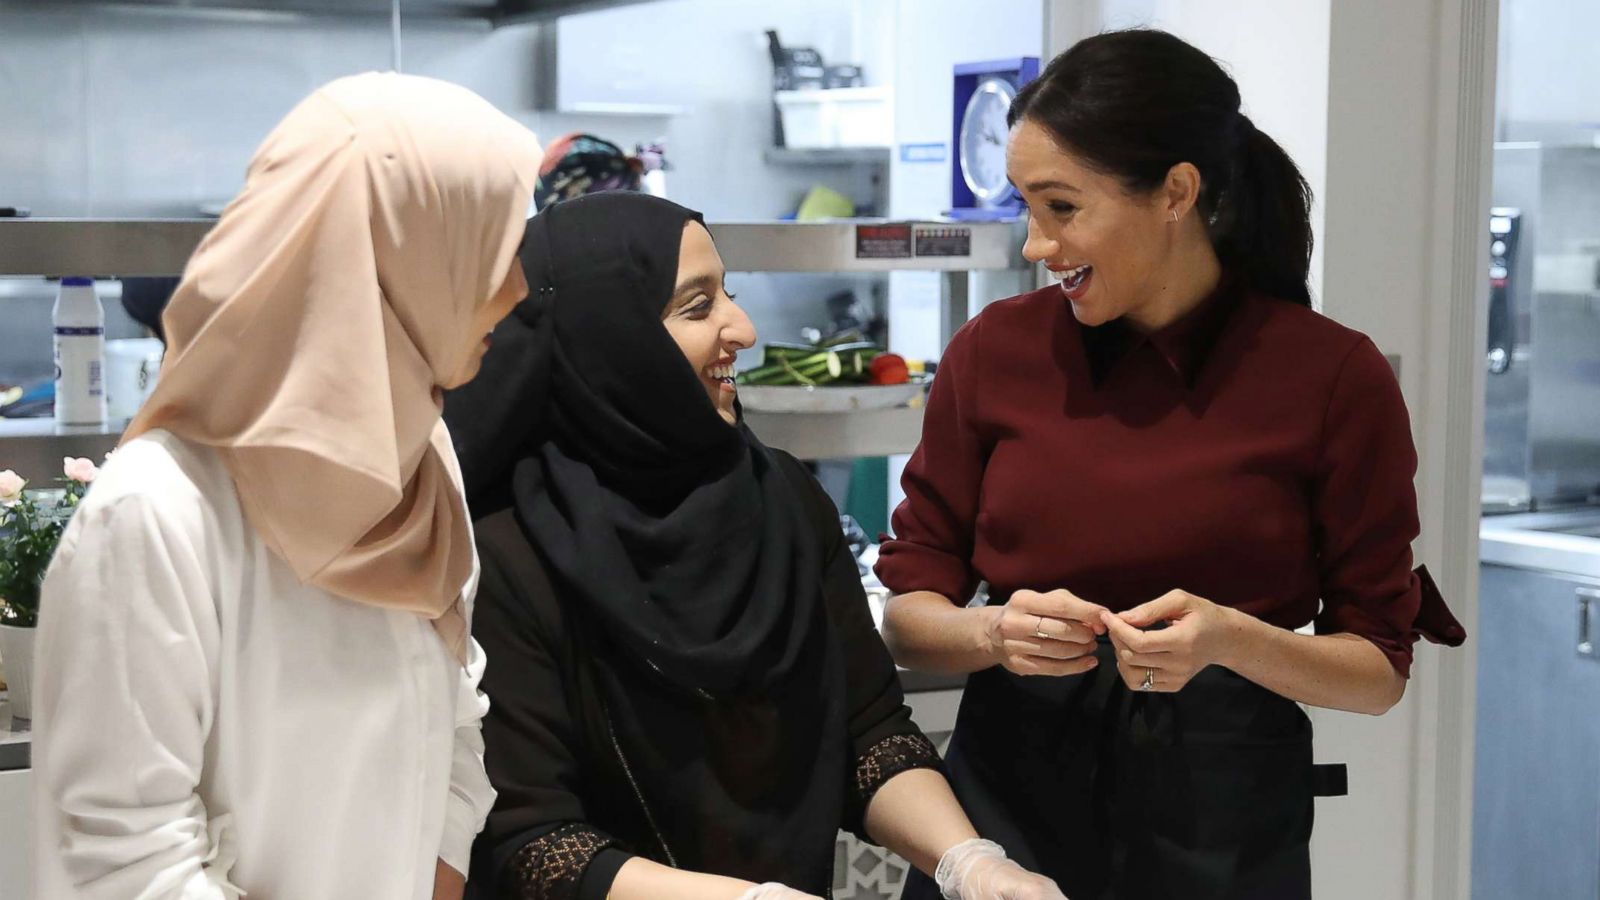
[(1174, 217)]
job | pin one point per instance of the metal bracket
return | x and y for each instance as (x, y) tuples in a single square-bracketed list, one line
[(1588, 598)]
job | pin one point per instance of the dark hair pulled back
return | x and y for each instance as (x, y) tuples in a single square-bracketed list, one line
[(1135, 103)]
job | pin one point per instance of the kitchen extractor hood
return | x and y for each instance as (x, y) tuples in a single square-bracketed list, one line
[(497, 12)]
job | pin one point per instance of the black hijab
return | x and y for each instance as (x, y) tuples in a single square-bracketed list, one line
[(675, 527), (677, 539)]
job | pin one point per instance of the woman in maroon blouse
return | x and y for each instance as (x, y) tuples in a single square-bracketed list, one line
[(1161, 467)]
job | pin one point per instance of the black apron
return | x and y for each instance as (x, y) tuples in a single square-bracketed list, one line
[(1203, 794)]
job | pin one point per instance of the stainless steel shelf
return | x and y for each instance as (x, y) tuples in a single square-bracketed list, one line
[(878, 432), (827, 156), (98, 247), (163, 246), (49, 428), (117, 247), (489, 12), (855, 245), (642, 110)]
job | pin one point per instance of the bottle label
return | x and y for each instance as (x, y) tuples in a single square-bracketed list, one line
[(80, 374)]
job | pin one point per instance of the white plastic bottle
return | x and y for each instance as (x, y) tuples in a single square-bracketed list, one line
[(80, 323)]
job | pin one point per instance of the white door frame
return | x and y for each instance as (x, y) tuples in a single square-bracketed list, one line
[(1450, 483)]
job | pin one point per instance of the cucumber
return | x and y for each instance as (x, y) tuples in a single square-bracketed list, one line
[(854, 347), (776, 353), (776, 350), (780, 350), (820, 367), (856, 362), (772, 374)]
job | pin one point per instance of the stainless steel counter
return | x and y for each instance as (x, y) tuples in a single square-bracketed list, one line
[(34, 447), (1565, 541), (1538, 681), (15, 740)]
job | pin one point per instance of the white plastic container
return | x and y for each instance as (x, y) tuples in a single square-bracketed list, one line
[(132, 366), (842, 117), (80, 325)]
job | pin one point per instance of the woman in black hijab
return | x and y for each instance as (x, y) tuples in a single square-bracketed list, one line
[(688, 697)]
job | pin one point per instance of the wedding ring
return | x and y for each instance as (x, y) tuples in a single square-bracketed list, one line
[(1149, 680), (1038, 630)]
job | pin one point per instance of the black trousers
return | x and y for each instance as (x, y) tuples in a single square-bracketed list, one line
[(1203, 794)]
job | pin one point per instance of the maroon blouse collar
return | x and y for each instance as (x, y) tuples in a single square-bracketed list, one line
[(1185, 345)]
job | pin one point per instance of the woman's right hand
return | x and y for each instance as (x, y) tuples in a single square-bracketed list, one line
[(775, 891), (1044, 633)]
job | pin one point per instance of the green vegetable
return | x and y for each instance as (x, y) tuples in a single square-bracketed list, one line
[(771, 353), (856, 360), (821, 367), (776, 350), (846, 357)]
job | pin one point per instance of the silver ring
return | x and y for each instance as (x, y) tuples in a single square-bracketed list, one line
[(1149, 682), (1038, 631)]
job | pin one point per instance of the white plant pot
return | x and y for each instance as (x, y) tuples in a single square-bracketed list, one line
[(16, 656)]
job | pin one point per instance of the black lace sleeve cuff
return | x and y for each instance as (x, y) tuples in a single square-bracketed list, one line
[(551, 866), (889, 757)]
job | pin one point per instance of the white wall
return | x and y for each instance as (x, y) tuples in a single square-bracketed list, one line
[(1549, 71), (710, 58), (118, 113), (1384, 297), (1278, 53), (932, 37), (123, 113)]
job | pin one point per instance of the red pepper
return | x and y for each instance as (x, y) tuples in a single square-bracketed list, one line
[(888, 368)]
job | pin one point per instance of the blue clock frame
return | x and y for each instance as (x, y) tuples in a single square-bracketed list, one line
[(1019, 71)]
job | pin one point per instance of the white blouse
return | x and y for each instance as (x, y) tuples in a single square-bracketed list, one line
[(206, 724)]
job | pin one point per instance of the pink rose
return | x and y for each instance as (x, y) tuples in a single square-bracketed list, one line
[(11, 485), (83, 471)]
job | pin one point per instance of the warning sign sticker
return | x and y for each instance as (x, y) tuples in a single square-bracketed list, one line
[(953, 240), (883, 242)]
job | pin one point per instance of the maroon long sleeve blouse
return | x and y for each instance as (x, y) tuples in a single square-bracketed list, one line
[(1254, 453)]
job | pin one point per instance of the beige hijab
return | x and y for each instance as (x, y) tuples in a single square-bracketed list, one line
[(317, 320)]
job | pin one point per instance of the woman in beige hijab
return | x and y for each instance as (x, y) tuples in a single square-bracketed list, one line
[(254, 668)]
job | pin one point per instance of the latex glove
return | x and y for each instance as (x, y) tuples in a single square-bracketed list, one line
[(977, 869), (775, 891)]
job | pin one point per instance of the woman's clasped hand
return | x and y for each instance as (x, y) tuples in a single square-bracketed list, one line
[(1197, 633), (1051, 633)]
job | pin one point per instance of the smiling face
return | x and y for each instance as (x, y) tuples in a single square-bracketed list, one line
[(1117, 254), (704, 321), (512, 291)]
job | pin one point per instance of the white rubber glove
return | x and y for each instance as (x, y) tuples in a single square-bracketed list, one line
[(775, 891), (977, 869)]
